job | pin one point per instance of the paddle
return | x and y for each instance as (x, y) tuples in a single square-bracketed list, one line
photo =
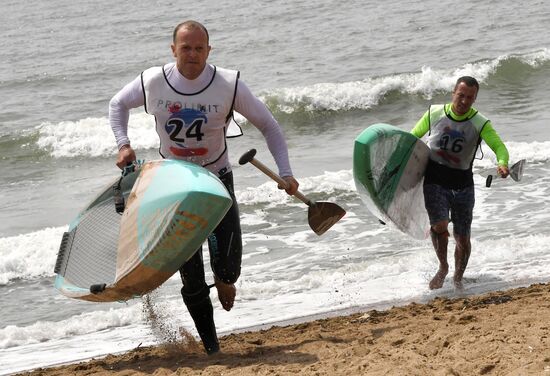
[(321, 215), (516, 173)]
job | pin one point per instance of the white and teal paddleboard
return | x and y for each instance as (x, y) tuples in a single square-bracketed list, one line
[(388, 169), (170, 209)]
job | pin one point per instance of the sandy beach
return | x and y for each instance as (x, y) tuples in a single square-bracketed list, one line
[(499, 333)]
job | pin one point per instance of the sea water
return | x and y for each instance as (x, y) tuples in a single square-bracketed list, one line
[(326, 70)]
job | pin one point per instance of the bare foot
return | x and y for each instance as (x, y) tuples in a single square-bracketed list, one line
[(458, 283), (438, 280), (226, 293)]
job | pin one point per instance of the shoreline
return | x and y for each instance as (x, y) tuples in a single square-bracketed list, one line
[(500, 332)]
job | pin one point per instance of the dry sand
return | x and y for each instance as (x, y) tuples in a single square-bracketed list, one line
[(499, 333)]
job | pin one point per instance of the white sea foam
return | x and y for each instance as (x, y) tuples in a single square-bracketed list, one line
[(535, 58), (33, 255), (85, 323), (368, 92), (29, 256), (377, 283), (512, 259), (93, 137)]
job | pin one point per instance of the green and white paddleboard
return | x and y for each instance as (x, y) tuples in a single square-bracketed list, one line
[(388, 169)]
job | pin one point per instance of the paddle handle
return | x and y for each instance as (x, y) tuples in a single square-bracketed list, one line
[(249, 157)]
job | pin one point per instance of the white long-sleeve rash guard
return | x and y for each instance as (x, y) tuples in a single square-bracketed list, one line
[(254, 110)]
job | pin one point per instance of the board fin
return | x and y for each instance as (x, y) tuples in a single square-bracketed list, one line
[(118, 197), (97, 288)]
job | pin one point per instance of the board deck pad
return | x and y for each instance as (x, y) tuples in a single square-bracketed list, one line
[(388, 170), (171, 208)]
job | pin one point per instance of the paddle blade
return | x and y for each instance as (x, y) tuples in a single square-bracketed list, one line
[(323, 215), (516, 171)]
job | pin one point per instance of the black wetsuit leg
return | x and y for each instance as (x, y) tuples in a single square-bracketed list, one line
[(225, 247), (225, 243)]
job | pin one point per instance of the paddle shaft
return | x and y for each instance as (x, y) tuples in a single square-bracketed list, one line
[(321, 215), (279, 180)]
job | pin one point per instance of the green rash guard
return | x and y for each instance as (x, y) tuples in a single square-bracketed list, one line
[(454, 177)]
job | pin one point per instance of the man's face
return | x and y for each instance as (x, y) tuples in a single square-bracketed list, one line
[(191, 50), (463, 98)]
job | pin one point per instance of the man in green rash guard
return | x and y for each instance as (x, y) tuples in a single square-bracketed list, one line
[(455, 131)]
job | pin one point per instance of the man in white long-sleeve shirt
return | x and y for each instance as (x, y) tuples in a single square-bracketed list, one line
[(193, 104)]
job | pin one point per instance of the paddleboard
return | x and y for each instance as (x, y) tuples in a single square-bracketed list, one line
[(170, 207), (388, 169)]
